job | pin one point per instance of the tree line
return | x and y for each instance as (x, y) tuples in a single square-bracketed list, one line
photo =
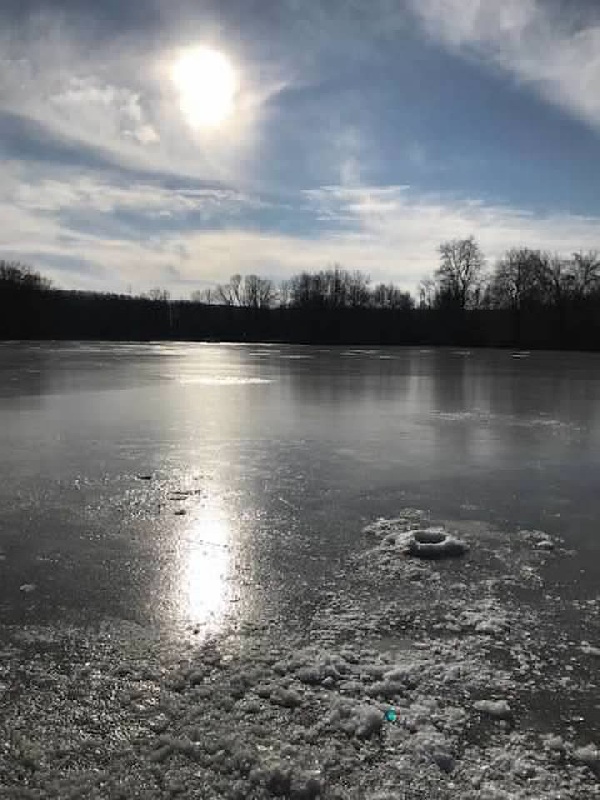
[(529, 298), (522, 278)]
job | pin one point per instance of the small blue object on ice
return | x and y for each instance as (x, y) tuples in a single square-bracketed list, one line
[(391, 715)]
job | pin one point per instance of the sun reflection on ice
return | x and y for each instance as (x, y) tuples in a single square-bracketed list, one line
[(205, 563)]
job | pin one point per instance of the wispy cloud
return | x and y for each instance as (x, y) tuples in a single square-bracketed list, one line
[(395, 231), (544, 45), (69, 190), (108, 233), (121, 101), (114, 189), (48, 77), (390, 232)]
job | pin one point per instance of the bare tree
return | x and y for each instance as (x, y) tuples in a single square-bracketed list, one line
[(459, 273), (331, 288), (158, 295), (205, 296), (285, 293), (555, 280), (303, 290), (585, 273), (230, 294), (427, 293), (258, 292), (20, 276), (389, 296), (358, 289), (250, 291), (520, 278)]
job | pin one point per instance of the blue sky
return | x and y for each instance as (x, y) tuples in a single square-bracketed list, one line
[(362, 133)]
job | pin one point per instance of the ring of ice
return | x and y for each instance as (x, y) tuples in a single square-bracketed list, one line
[(426, 543), (434, 543)]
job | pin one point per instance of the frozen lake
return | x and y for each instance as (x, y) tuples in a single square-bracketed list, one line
[(281, 454), (177, 487)]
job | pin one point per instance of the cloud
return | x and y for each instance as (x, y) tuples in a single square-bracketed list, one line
[(86, 104), (103, 22), (74, 97), (114, 189), (543, 45), (118, 232), (390, 232), (97, 195), (119, 101), (114, 99)]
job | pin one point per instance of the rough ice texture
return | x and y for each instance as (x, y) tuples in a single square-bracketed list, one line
[(499, 709), (260, 712), (432, 542)]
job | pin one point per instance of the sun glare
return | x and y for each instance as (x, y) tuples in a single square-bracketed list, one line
[(207, 85)]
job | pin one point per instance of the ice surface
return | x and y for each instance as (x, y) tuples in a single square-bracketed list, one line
[(263, 711)]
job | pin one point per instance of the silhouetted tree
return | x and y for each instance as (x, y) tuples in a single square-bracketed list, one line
[(427, 293), (459, 273), (559, 281), (358, 294), (284, 294), (230, 294), (250, 291), (389, 296), (158, 295), (533, 299), (205, 296), (585, 273), (520, 279), (14, 275), (331, 288), (258, 292)]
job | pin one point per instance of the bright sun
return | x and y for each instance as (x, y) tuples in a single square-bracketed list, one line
[(207, 85)]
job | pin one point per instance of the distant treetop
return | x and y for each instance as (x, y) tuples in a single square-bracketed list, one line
[(15, 275)]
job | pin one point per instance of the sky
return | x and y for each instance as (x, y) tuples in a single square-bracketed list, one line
[(324, 132)]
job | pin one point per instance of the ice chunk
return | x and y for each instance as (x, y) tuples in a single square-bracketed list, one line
[(555, 743), (433, 543), (443, 758), (278, 781), (309, 675), (545, 544), (370, 721), (499, 709), (590, 756), (285, 697)]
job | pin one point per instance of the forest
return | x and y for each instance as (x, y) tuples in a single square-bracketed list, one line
[(529, 299)]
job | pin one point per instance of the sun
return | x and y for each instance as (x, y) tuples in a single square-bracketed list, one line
[(207, 85)]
